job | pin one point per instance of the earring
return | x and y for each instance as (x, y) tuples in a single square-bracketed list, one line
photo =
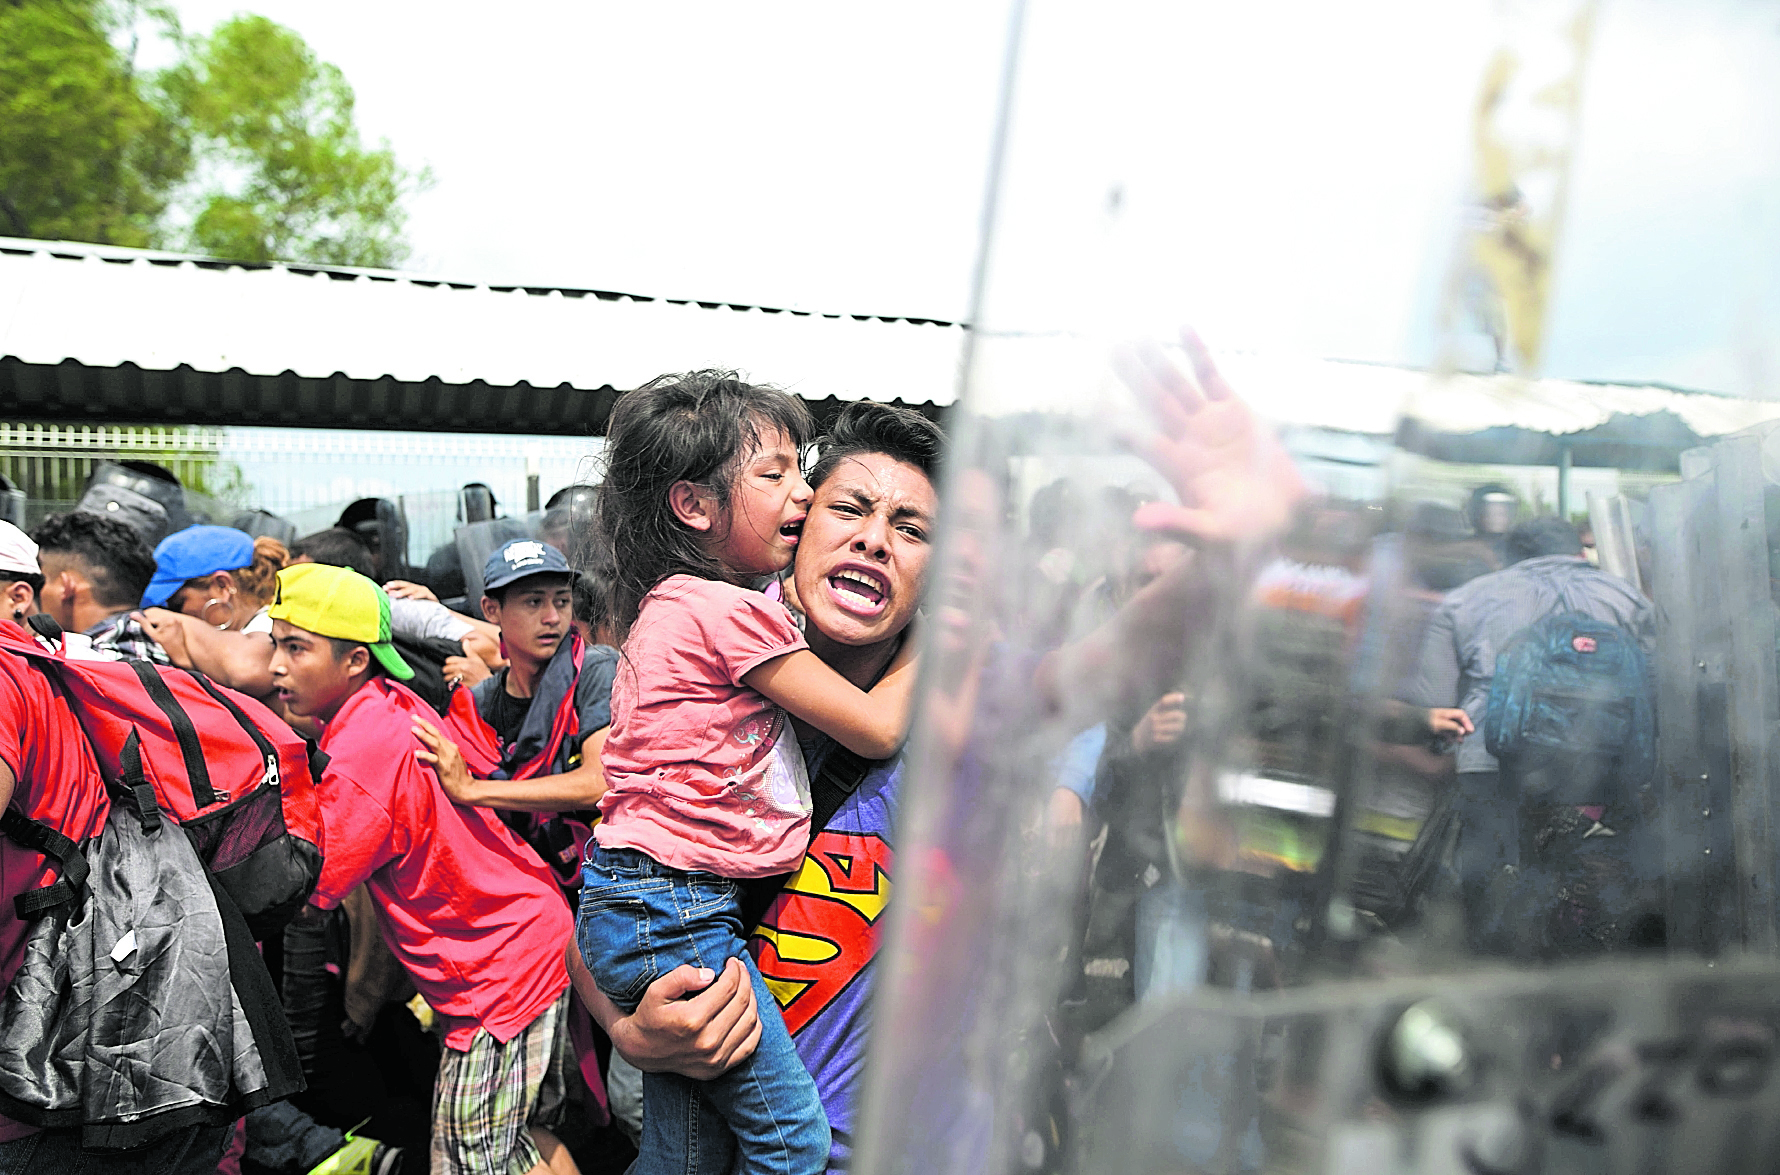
[(204, 613)]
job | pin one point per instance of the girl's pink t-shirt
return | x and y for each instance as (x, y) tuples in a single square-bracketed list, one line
[(704, 774)]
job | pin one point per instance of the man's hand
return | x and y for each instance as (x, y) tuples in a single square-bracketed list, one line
[(1162, 724), (1235, 481), (442, 755), (698, 1036), (167, 629), (1449, 722), (466, 670), (401, 589)]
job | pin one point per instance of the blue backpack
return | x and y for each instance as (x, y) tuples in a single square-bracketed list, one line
[(1570, 711)]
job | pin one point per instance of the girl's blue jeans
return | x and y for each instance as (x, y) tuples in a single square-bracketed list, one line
[(638, 921)]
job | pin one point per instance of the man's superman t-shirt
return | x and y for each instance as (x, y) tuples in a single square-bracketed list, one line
[(816, 943)]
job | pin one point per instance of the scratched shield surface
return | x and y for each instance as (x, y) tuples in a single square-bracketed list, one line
[(1347, 732)]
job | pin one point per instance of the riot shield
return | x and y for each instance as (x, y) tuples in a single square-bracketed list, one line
[(264, 522), (12, 502), (384, 529), (1347, 746), (144, 496), (478, 540)]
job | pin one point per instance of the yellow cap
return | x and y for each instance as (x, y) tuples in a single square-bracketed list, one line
[(340, 603)]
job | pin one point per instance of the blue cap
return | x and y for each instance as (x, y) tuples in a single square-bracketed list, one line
[(193, 552), (519, 558)]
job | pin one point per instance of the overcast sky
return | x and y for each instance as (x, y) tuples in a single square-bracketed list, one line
[(1290, 172)]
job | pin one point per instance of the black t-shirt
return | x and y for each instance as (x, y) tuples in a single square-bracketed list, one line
[(507, 714)]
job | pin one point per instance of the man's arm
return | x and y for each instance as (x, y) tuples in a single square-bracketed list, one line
[(871, 724), (1437, 668), (568, 792), (1237, 488), (239, 660), (485, 647), (698, 1036), (362, 836)]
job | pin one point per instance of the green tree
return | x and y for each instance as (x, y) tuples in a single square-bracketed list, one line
[(287, 175), (89, 151), (245, 148)]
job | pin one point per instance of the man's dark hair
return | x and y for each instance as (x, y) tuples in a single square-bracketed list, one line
[(697, 428), (1543, 536), (865, 427), (32, 578), (337, 547), (113, 556)]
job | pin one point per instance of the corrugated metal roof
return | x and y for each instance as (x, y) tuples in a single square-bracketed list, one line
[(96, 333), (91, 332)]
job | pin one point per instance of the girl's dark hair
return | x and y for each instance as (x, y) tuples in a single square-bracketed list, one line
[(695, 427), (593, 596)]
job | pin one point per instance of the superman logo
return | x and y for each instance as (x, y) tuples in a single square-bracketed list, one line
[(822, 929)]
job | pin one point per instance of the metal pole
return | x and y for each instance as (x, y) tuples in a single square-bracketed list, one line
[(1564, 482)]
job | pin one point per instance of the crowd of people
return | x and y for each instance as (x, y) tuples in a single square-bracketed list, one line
[(471, 824), (606, 852)]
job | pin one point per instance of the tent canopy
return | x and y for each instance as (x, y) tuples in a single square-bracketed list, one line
[(98, 333)]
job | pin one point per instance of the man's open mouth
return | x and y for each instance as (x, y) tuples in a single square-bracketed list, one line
[(859, 591)]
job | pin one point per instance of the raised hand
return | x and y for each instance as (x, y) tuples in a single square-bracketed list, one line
[(402, 589), (442, 755), (1235, 481)]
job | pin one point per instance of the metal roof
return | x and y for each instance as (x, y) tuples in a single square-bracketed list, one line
[(90, 332)]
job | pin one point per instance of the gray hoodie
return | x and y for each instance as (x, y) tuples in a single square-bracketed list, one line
[(1478, 619)]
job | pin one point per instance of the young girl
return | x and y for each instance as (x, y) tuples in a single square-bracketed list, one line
[(704, 494)]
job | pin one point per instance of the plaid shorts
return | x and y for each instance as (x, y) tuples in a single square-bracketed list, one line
[(486, 1097)]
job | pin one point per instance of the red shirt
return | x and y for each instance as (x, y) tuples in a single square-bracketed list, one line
[(58, 784), (470, 911), (703, 773)]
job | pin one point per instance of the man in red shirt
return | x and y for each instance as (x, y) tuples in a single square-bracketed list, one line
[(47, 773), (470, 911)]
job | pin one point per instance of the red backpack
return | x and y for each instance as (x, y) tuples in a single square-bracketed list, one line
[(229, 771)]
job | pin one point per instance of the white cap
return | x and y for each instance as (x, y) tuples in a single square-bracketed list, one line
[(18, 554)]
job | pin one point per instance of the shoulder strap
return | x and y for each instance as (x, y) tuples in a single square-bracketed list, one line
[(40, 837), (544, 732), (841, 774)]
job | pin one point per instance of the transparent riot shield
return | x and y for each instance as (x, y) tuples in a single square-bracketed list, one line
[(1346, 740), (478, 540)]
